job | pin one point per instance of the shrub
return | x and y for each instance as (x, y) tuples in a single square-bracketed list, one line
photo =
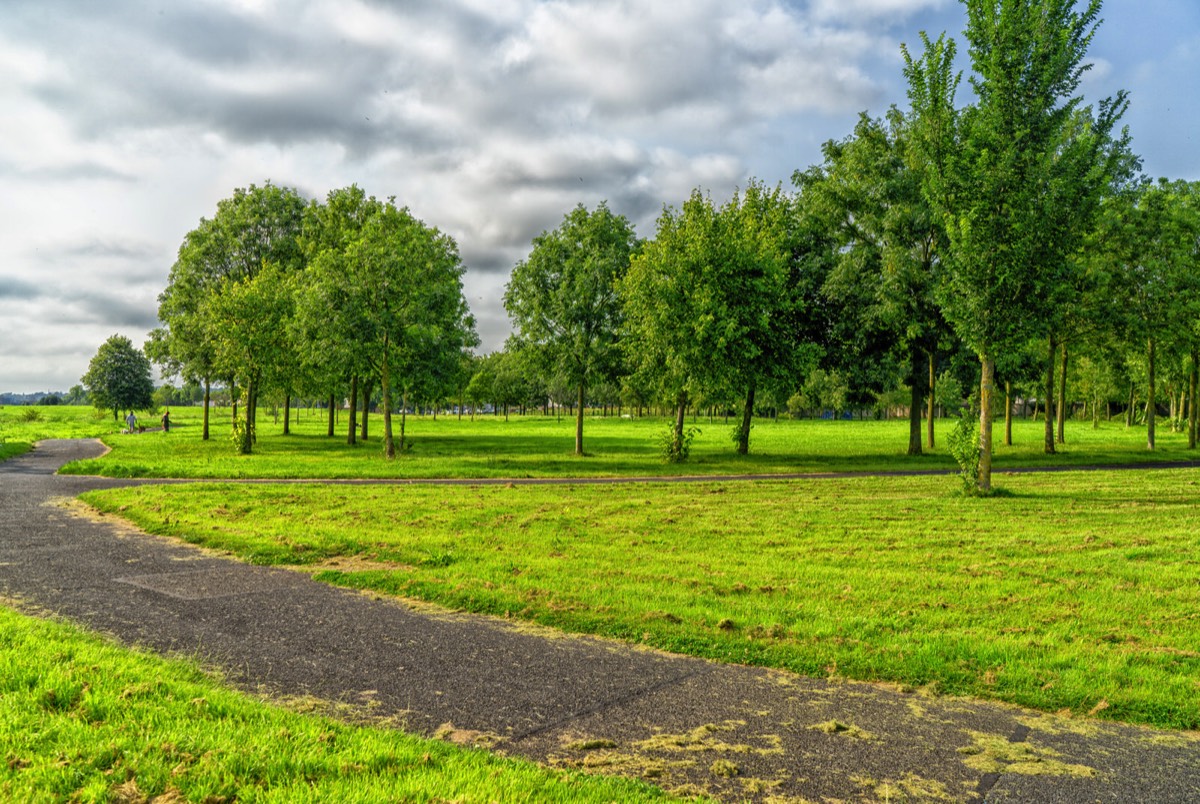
[(963, 443), (676, 450)]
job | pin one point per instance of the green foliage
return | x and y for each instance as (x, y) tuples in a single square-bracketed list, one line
[(949, 392), (1018, 176), (29, 415), (563, 298), (963, 443), (824, 390), (710, 303), (118, 377), (675, 447), (383, 297)]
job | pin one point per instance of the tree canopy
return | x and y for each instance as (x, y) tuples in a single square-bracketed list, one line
[(563, 299), (118, 377)]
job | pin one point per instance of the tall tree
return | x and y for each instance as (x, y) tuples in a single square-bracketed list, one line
[(118, 377), (710, 301), (254, 227), (563, 299), (868, 192), (391, 291), (1017, 177), (1150, 239)]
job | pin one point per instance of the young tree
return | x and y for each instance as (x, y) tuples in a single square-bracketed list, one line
[(1016, 177), (252, 312), (1150, 240), (563, 299), (118, 377)]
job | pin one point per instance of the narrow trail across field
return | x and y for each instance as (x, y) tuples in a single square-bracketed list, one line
[(734, 732)]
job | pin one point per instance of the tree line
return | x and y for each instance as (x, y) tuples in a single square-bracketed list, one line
[(987, 243)]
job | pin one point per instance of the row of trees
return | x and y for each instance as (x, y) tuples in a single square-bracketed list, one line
[(277, 293), (1015, 227), (1013, 232)]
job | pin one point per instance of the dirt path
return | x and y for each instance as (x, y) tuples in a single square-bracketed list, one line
[(734, 732)]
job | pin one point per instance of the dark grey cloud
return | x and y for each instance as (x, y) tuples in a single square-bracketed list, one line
[(18, 289)]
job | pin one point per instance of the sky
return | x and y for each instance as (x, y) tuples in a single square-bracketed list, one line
[(124, 122)]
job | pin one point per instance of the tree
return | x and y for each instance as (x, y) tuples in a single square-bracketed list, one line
[(1017, 177), (710, 302), (252, 312), (563, 299), (256, 226), (118, 377), (868, 192), (387, 289), (1150, 241)]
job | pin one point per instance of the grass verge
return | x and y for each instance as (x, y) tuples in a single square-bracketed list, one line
[(541, 446), (1075, 591), (84, 720)]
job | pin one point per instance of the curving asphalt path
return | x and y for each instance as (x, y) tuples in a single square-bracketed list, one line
[(474, 679)]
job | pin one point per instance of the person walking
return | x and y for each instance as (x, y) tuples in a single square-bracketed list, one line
[(131, 420), (166, 421)]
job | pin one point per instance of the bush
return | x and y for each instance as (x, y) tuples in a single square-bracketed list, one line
[(963, 444), (30, 415), (675, 450)]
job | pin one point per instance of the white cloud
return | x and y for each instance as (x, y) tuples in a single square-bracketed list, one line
[(489, 118)]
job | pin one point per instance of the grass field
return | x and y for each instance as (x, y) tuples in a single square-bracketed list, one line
[(21, 426), (1070, 591), (541, 446), (83, 720), (1076, 590)]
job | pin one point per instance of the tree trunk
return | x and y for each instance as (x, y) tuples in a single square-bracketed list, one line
[(579, 422), (987, 391), (332, 414), (916, 400), (1132, 403), (1193, 379), (385, 379), (1153, 395), (1008, 413), (743, 441), (680, 413), (1048, 392), (366, 407), (932, 399), (403, 418), (287, 414), (1062, 397), (246, 446), (352, 433), (207, 400)]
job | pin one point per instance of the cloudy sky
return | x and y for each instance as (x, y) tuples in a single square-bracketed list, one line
[(124, 123)]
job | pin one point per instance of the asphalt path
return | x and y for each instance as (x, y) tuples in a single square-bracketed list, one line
[(737, 733)]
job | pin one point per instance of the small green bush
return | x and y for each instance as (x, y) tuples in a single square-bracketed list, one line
[(676, 450), (963, 443)]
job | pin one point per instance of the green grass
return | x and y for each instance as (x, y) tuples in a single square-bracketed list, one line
[(23, 425), (541, 446), (83, 720), (1075, 590)]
